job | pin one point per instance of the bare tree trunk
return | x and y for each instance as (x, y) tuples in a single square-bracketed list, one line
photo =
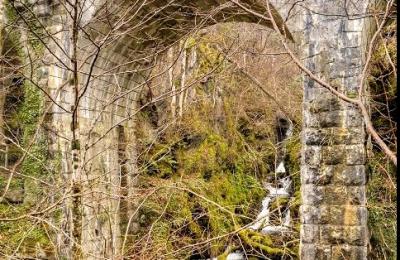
[(171, 81), (183, 78)]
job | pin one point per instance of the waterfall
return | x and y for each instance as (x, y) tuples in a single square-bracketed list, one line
[(282, 188)]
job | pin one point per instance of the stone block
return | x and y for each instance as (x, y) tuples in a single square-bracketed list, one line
[(325, 102), (312, 194), (310, 214), (316, 175), (343, 195), (352, 235), (355, 154), (355, 135), (312, 155), (309, 233), (348, 215), (332, 234), (331, 118), (324, 119), (333, 195), (354, 118), (333, 136), (313, 92), (349, 175), (356, 235), (348, 252), (314, 136), (313, 251), (333, 154), (310, 119)]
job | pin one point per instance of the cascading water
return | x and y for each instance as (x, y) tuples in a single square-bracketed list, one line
[(267, 221)]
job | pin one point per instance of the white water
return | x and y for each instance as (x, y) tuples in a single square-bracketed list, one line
[(262, 222), (281, 189)]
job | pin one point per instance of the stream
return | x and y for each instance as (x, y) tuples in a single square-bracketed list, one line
[(277, 186)]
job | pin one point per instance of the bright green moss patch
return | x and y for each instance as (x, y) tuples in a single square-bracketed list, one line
[(25, 233)]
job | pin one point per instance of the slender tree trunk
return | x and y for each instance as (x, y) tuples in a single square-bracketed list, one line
[(171, 82), (183, 78)]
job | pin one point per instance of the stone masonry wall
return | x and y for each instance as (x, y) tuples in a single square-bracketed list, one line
[(333, 211)]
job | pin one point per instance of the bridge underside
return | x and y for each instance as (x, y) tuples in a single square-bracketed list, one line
[(119, 44)]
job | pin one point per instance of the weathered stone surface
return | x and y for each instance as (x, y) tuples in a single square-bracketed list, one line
[(348, 252), (352, 235), (312, 195), (312, 93), (333, 136), (333, 154), (333, 172), (339, 174), (316, 136), (309, 233), (313, 251), (332, 234), (325, 102), (354, 118), (355, 154), (316, 175), (356, 235), (338, 234), (341, 195), (331, 118), (324, 119), (333, 194), (311, 120), (349, 215), (314, 214), (312, 155), (348, 174), (354, 135)]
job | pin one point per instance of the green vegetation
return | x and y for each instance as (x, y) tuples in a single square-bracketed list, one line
[(22, 111), (211, 170), (26, 233), (381, 191)]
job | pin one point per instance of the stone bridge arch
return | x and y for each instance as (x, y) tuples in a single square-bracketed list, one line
[(331, 35)]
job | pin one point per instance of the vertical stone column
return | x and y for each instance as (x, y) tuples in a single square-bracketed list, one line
[(333, 211)]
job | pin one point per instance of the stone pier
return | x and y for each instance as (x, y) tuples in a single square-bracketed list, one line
[(333, 211)]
